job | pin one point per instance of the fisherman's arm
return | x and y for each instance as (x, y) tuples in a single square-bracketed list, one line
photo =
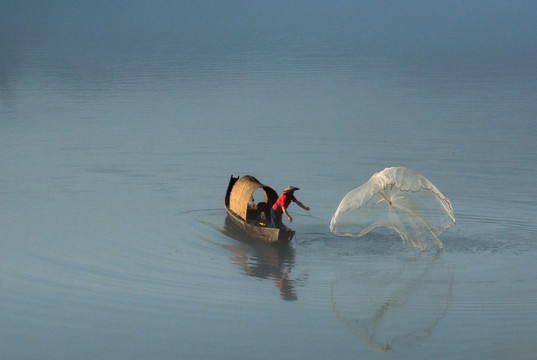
[(302, 205), (287, 214)]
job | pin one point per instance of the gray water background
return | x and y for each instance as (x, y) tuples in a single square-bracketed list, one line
[(120, 125)]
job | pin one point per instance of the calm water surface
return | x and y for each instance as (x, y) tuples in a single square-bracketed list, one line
[(117, 142)]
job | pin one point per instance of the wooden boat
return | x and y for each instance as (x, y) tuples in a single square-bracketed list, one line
[(251, 218)]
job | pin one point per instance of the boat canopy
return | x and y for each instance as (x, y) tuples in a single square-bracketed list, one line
[(242, 191)]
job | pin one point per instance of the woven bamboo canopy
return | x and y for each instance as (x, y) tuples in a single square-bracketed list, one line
[(242, 191)]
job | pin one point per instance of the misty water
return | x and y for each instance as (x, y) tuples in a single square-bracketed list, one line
[(121, 125)]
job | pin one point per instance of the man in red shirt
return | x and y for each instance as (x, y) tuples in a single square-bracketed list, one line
[(280, 207)]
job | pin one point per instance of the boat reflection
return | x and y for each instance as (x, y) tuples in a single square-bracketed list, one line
[(396, 307), (263, 260)]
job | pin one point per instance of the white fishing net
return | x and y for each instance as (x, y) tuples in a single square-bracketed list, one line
[(399, 199)]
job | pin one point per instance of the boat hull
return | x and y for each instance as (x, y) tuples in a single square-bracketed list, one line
[(264, 233)]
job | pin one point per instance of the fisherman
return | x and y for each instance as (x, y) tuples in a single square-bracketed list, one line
[(280, 207)]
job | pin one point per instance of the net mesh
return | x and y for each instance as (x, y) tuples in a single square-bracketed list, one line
[(399, 199)]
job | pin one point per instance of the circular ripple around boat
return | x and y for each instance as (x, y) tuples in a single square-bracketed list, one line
[(158, 269)]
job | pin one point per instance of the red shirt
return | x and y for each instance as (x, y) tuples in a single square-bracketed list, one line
[(283, 202)]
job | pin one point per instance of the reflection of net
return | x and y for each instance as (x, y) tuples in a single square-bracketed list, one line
[(399, 199), (392, 311)]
